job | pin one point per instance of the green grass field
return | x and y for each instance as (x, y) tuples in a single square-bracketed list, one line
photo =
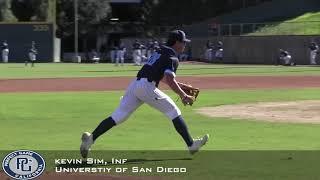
[(50, 70), (238, 149), (61, 117)]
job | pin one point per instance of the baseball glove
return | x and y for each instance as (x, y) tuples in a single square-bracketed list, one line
[(191, 91)]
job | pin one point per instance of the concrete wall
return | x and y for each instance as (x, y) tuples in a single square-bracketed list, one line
[(259, 49)]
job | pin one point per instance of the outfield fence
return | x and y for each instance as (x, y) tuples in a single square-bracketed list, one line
[(20, 35)]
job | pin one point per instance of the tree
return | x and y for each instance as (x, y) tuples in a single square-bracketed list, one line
[(30, 10), (90, 13), (5, 12), (2, 7)]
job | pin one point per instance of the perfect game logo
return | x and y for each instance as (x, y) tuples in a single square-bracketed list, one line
[(23, 164)]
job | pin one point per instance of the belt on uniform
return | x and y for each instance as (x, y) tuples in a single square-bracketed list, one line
[(149, 80)]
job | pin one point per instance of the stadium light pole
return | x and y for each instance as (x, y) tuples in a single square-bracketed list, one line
[(76, 30)]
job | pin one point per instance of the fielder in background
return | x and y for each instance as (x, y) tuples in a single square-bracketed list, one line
[(161, 66), (94, 56), (5, 51), (285, 58), (32, 54), (143, 54), (209, 51), (120, 54), (156, 45), (136, 53), (113, 53), (314, 50), (219, 51), (150, 48)]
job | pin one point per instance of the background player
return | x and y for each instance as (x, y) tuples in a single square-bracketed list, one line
[(209, 51), (32, 54), (136, 53), (314, 49), (285, 58), (161, 66), (150, 48), (113, 52), (120, 54), (219, 51), (5, 51)]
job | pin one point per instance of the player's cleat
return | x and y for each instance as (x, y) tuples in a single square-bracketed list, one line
[(87, 141), (198, 143)]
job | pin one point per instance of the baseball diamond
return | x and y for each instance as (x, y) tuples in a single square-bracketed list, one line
[(159, 89), (215, 91)]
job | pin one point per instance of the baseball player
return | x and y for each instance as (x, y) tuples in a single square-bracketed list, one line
[(136, 54), (285, 58), (219, 51), (143, 54), (94, 56), (5, 51), (150, 48), (120, 54), (32, 54), (209, 49), (113, 53), (161, 66), (156, 45), (314, 48)]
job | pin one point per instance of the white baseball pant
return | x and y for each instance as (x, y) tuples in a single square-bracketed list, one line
[(137, 56), (5, 55), (142, 91), (313, 55), (120, 56)]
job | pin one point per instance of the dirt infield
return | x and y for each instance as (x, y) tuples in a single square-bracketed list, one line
[(280, 112), (120, 83)]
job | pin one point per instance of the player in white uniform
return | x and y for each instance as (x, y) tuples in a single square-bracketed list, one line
[(285, 58), (136, 53), (5, 51), (32, 54), (120, 54), (209, 51), (113, 53), (150, 48), (161, 66), (219, 51), (314, 48)]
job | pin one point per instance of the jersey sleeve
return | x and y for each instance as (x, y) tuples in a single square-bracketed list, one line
[(172, 66)]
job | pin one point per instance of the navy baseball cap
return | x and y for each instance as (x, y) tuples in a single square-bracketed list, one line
[(178, 35)]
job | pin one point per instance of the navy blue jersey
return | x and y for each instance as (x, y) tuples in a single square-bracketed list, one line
[(165, 59)]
